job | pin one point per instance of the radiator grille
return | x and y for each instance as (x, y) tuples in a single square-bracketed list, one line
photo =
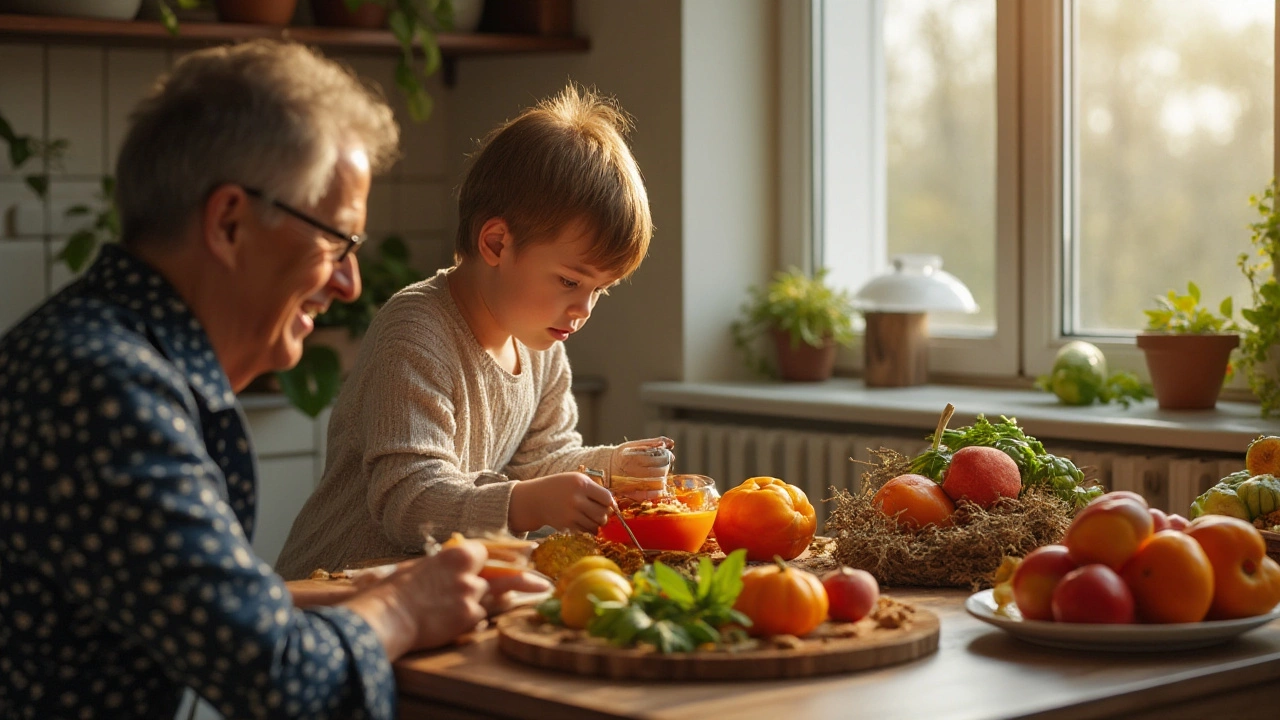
[(817, 462)]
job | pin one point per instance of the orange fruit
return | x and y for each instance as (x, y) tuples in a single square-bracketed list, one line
[(1263, 456), (1170, 578), (576, 608), (1245, 581), (915, 501)]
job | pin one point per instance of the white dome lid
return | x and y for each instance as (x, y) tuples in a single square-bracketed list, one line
[(917, 283)]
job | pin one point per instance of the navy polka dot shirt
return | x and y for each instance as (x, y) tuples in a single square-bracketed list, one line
[(126, 508)]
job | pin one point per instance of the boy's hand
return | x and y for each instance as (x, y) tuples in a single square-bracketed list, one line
[(651, 457), (565, 501)]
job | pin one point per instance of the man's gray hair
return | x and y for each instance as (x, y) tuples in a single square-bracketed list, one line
[(264, 114)]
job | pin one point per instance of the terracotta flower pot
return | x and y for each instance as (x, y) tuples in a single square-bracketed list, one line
[(804, 362), (1187, 370), (256, 12), (334, 13)]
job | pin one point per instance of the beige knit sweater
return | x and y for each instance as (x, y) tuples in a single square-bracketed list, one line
[(423, 421)]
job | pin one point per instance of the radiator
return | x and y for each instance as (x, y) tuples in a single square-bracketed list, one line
[(821, 463)]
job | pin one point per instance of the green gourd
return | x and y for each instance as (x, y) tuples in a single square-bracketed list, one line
[(1260, 495)]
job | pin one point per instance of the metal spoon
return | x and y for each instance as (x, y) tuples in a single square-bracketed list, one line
[(600, 477)]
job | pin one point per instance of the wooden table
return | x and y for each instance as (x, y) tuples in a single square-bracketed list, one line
[(978, 672)]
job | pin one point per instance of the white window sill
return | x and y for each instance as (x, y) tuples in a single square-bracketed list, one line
[(1227, 429)]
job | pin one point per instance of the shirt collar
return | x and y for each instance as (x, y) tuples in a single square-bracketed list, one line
[(126, 280)]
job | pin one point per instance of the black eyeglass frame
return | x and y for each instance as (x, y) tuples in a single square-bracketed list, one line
[(353, 241)]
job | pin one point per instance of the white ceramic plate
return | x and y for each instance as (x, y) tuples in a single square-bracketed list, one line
[(1115, 638)]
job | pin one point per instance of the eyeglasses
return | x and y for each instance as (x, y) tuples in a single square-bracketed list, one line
[(353, 242)]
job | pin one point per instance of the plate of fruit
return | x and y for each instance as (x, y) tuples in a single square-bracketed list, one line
[(1128, 578)]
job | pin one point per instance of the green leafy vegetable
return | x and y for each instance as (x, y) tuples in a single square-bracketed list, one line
[(671, 612), (1037, 466)]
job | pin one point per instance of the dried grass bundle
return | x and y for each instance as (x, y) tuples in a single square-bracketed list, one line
[(963, 555)]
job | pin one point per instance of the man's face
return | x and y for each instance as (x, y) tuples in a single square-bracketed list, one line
[(294, 272), (546, 290)]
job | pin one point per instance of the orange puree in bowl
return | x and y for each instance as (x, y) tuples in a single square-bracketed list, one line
[(673, 531)]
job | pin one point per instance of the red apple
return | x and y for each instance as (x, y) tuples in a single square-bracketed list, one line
[(981, 475), (1093, 594), (1159, 520), (1036, 577), (1109, 531), (851, 594), (1177, 522)]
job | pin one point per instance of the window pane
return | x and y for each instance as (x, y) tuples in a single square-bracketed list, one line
[(1173, 130), (940, 132)]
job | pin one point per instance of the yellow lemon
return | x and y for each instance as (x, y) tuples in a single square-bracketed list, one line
[(576, 608)]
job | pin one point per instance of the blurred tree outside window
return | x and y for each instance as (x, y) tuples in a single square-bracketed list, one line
[(940, 141), (1167, 126), (1171, 111)]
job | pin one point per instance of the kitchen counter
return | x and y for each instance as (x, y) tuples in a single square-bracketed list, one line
[(978, 672)]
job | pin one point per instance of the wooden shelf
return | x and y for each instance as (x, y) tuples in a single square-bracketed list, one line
[(146, 33)]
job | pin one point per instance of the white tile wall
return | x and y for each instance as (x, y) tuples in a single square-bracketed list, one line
[(130, 74), (77, 109), (22, 277), (85, 94)]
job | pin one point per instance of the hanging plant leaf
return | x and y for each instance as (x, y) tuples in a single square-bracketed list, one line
[(78, 250), (313, 383)]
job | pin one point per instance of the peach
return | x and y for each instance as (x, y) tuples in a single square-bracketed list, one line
[(981, 475), (1245, 581), (1036, 577), (1121, 494), (1170, 578), (1092, 594), (1109, 530), (1177, 522), (1159, 520), (851, 593)]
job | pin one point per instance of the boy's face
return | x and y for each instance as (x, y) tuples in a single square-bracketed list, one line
[(546, 291)]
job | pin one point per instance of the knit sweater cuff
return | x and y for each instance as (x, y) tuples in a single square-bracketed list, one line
[(488, 507)]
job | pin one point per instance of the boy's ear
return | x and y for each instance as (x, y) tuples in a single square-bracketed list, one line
[(495, 239)]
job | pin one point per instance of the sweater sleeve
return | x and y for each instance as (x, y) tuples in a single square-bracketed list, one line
[(553, 443), (409, 443)]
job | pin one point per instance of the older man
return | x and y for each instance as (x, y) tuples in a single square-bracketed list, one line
[(127, 482)]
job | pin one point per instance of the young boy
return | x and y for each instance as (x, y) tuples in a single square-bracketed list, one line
[(458, 413)]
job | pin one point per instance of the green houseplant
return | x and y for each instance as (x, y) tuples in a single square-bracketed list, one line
[(414, 22), (328, 353), (104, 222), (1263, 315), (806, 319), (1187, 348)]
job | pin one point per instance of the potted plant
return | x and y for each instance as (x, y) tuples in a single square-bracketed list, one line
[(1262, 333), (330, 350), (804, 317), (1187, 347)]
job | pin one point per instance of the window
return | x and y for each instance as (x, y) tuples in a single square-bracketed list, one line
[(1068, 159)]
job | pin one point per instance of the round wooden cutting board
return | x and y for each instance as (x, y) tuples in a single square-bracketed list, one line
[(832, 648)]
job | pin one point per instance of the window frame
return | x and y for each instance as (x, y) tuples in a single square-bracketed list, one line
[(1031, 122)]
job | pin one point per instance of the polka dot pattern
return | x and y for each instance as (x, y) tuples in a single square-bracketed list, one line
[(127, 500)]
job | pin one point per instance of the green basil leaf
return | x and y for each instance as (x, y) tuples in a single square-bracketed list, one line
[(673, 584), (727, 581)]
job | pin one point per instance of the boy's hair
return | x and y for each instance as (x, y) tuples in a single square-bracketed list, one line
[(269, 115), (563, 160)]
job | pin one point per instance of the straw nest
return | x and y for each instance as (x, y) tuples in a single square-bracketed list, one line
[(963, 555)]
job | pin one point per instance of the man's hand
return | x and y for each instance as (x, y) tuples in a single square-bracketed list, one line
[(427, 602), (565, 501)]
